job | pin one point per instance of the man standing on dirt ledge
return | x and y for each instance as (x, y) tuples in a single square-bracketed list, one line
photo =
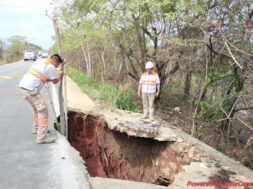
[(40, 73), (150, 85)]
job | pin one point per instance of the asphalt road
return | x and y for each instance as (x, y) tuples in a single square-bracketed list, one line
[(23, 163)]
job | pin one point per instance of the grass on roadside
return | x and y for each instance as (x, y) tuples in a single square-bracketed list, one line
[(121, 97), (2, 62)]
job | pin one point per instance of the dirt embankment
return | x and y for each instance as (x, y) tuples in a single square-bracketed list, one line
[(112, 154)]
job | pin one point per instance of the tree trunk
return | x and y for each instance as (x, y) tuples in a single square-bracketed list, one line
[(87, 60), (141, 47), (239, 84), (187, 86)]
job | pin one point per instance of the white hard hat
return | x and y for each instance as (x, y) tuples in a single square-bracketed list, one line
[(149, 65)]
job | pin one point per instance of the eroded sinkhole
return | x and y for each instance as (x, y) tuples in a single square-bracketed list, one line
[(111, 154)]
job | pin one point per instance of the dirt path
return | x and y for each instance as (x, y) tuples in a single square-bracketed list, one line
[(77, 99)]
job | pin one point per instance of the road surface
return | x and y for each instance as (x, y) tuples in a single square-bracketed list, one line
[(23, 163)]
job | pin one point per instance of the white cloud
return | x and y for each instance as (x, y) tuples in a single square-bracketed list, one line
[(31, 6), (27, 18)]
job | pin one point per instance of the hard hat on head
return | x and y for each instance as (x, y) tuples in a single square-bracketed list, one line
[(149, 65)]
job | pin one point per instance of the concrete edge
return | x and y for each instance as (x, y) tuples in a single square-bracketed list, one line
[(73, 171), (235, 165), (105, 183)]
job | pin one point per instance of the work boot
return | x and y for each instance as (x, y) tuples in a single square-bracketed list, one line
[(45, 141)]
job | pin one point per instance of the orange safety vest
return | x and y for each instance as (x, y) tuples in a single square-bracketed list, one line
[(149, 81), (39, 75)]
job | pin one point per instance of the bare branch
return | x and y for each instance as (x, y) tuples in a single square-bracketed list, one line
[(232, 54), (244, 124), (226, 44)]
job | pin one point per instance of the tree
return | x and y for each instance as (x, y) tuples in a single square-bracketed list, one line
[(1, 49), (34, 47), (16, 45), (207, 44)]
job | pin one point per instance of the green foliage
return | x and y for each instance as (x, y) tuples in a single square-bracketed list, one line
[(125, 100), (79, 77), (13, 49), (107, 93), (16, 46), (215, 75), (198, 134), (1, 49), (122, 98), (122, 34), (33, 46), (58, 126), (2, 62), (209, 113)]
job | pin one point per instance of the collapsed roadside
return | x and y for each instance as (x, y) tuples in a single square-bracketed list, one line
[(119, 144)]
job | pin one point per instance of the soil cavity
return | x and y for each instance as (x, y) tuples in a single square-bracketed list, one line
[(111, 154)]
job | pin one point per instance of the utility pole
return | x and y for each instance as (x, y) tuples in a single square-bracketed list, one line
[(57, 35), (62, 84)]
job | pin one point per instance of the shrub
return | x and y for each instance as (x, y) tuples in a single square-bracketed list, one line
[(125, 101), (209, 113)]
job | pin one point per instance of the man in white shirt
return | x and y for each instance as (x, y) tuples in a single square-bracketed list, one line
[(40, 73), (150, 86)]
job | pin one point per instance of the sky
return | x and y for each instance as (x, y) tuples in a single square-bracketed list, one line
[(27, 18)]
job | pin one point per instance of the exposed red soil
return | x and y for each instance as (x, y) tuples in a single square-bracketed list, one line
[(112, 154)]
